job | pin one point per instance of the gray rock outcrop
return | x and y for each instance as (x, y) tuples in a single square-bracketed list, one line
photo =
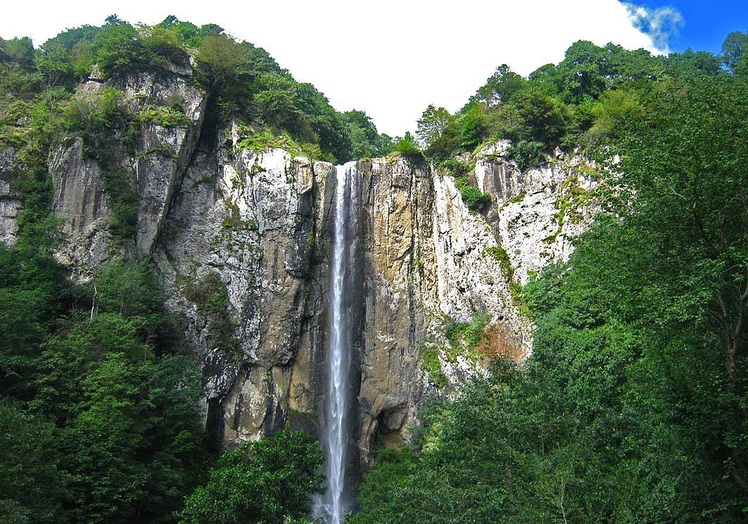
[(10, 203)]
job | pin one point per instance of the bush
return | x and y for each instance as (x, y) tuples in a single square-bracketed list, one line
[(268, 481), (407, 146), (164, 116), (474, 199), (464, 337), (432, 365), (527, 154)]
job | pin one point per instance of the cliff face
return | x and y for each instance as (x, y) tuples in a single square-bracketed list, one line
[(10, 204), (241, 240), (155, 168)]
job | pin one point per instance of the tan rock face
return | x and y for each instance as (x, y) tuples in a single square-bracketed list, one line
[(398, 283), (81, 204)]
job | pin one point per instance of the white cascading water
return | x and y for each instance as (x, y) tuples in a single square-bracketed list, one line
[(332, 506)]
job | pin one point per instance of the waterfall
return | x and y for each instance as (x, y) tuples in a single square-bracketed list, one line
[(333, 505)]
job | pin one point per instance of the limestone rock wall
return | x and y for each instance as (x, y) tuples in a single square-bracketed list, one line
[(538, 212), (247, 220), (81, 204), (398, 284)]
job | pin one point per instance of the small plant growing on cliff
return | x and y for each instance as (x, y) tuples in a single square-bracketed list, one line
[(407, 146), (502, 257), (432, 365), (455, 167), (514, 200), (464, 337), (474, 199), (570, 199), (164, 116), (234, 221), (527, 154), (103, 121)]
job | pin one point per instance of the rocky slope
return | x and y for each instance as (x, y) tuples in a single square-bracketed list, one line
[(241, 241)]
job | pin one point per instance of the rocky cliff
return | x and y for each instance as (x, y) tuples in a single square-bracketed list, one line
[(241, 238)]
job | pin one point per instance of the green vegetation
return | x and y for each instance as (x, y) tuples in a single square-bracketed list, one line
[(268, 481), (631, 407), (464, 337), (210, 296), (430, 362), (164, 116), (407, 146), (579, 102), (99, 417), (502, 257), (474, 199), (94, 370)]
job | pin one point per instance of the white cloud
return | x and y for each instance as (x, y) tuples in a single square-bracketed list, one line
[(390, 58), (660, 24)]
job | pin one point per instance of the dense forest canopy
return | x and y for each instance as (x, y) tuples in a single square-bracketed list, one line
[(632, 407)]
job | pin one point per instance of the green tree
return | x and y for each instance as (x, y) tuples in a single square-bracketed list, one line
[(132, 440), (733, 50), (31, 485), (223, 62), (499, 87), (119, 49), (611, 113), (268, 481), (431, 125), (17, 50), (187, 31), (362, 132), (21, 315), (543, 118), (473, 126), (407, 146)]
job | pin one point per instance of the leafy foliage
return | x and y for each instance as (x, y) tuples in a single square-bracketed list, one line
[(407, 146), (474, 199), (266, 481), (432, 124), (104, 427), (30, 481)]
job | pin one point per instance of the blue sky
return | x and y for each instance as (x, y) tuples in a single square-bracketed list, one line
[(705, 23), (393, 58)]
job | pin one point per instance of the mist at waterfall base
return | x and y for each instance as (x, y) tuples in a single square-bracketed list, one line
[(335, 503)]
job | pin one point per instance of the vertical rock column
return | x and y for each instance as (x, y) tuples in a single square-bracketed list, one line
[(397, 280)]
